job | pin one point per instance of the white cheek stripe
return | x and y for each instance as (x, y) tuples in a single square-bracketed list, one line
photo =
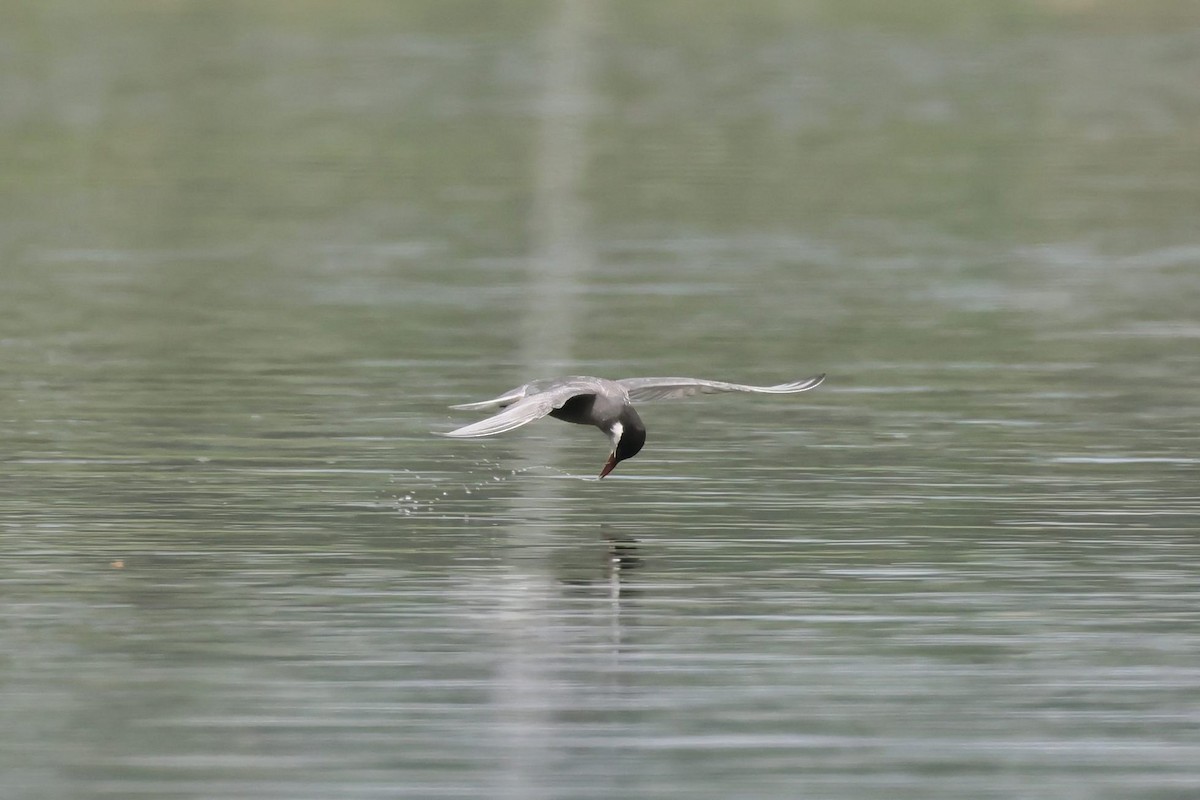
[(615, 432)]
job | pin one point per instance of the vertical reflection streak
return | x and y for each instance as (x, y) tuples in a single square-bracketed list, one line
[(561, 256)]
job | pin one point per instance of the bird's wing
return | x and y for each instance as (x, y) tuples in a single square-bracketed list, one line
[(644, 389), (525, 410), (506, 399), (519, 413)]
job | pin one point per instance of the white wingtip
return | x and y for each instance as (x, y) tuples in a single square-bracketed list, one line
[(457, 433), (795, 386), (483, 405)]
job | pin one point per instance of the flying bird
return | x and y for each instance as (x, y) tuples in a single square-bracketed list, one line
[(606, 404)]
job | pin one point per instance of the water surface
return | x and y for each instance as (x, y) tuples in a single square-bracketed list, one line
[(250, 255)]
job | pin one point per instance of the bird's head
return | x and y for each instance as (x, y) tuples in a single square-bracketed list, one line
[(628, 434)]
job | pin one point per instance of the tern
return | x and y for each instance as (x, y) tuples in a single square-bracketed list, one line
[(604, 403)]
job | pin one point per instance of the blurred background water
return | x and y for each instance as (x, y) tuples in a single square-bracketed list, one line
[(250, 252)]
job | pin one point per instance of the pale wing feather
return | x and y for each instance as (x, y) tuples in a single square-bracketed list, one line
[(526, 410), (646, 389), (516, 415), (506, 399)]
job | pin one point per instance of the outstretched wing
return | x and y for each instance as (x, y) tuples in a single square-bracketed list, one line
[(525, 404), (506, 399), (520, 413), (645, 389)]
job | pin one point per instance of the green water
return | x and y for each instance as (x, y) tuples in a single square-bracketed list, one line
[(250, 252)]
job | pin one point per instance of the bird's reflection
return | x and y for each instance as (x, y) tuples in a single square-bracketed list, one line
[(586, 571), (615, 578), (623, 559), (606, 576)]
